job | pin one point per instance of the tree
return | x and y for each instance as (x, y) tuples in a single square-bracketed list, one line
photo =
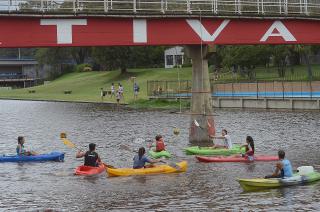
[(54, 57), (246, 57), (110, 58), (280, 55), (304, 51)]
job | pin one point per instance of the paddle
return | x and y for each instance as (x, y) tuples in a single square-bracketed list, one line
[(69, 144)]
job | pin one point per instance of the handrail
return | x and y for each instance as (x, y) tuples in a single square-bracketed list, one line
[(179, 7)]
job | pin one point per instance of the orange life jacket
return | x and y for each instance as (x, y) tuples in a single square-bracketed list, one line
[(160, 146)]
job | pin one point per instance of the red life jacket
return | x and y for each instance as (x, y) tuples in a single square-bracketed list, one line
[(160, 146)]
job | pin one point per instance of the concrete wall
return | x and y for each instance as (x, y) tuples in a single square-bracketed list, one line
[(267, 103)]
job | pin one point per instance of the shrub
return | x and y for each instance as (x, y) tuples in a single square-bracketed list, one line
[(83, 68)]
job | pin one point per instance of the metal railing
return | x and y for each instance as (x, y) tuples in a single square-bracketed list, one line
[(258, 89), (297, 8)]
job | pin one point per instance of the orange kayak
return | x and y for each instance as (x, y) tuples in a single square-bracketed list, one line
[(89, 170)]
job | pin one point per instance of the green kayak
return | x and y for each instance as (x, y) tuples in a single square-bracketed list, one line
[(196, 150), (156, 155)]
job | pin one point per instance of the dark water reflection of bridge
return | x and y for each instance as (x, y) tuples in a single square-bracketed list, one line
[(203, 187)]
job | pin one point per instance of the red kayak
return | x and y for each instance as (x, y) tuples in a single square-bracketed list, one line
[(89, 170), (236, 158)]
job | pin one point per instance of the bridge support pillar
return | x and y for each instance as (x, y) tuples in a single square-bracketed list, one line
[(201, 103)]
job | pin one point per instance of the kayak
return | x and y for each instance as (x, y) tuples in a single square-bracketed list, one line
[(261, 183), (195, 150), (157, 169), (156, 155), (219, 159), (53, 156), (89, 170)]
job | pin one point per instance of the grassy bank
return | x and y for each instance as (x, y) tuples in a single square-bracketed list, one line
[(86, 86)]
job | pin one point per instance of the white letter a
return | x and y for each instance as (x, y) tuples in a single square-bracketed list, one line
[(282, 32)]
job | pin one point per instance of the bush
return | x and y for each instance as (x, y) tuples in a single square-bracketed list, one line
[(83, 68)]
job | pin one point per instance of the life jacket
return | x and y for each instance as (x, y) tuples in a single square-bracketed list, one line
[(22, 150), (160, 146), (91, 158)]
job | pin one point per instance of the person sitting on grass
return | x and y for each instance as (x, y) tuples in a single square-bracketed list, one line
[(140, 160), (20, 148), (91, 158), (226, 138), (283, 167)]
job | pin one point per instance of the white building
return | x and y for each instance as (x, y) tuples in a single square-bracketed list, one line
[(173, 57)]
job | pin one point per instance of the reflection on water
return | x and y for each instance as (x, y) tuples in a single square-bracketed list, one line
[(38, 186)]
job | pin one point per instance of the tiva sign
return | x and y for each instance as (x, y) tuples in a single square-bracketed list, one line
[(36, 32)]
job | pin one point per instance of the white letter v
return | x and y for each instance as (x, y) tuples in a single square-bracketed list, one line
[(202, 32)]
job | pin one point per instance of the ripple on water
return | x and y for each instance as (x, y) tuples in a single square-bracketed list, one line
[(39, 186)]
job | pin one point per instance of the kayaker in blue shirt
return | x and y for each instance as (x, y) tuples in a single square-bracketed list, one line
[(20, 148), (283, 167), (91, 158), (140, 160)]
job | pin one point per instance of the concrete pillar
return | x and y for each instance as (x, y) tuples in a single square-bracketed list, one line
[(201, 102)]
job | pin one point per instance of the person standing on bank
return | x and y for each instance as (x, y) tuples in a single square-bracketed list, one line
[(112, 91), (136, 90), (91, 158)]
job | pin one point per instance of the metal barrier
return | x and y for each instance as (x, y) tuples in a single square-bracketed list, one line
[(259, 89), (173, 7)]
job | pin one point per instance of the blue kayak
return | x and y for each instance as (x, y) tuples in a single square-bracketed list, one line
[(53, 156)]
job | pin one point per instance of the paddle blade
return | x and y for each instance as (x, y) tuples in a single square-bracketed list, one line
[(196, 123), (68, 143)]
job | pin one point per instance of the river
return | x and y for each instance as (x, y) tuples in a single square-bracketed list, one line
[(213, 187)]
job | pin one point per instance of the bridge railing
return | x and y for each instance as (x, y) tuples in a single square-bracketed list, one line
[(172, 7)]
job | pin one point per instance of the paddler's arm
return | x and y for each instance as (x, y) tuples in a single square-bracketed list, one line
[(80, 154), (216, 137), (99, 159), (278, 169)]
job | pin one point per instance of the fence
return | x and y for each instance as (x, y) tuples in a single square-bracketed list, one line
[(259, 89), (187, 7)]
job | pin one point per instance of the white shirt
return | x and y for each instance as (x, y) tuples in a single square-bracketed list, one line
[(227, 141)]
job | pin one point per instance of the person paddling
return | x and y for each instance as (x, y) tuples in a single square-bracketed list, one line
[(226, 138), (20, 148), (249, 148), (91, 158), (283, 167), (140, 160)]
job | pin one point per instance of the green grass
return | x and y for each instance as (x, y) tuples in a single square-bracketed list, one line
[(269, 74), (86, 86)]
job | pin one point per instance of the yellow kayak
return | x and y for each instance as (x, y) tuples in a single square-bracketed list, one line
[(260, 183), (157, 169)]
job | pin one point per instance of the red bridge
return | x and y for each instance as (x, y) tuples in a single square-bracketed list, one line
[(158, 22)]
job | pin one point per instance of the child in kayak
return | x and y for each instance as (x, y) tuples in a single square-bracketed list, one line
[(20, 148), (140, 160), (159, 144), (91, 158), (249, 148), (283, 167), (226, 138)]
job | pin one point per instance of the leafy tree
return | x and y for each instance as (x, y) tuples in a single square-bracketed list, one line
[(280, 55), (246, 57)]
